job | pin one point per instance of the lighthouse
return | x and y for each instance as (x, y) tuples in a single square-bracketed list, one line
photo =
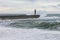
[(18, 16), (35, 12)]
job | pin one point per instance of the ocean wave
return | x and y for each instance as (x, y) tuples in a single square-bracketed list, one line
[(36, 24), (31, 24), (28, 34)]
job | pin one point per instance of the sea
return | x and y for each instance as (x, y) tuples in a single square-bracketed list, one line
[(30, 29)]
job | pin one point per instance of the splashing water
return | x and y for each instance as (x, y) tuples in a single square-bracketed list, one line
[(31, 23), (27, 30)]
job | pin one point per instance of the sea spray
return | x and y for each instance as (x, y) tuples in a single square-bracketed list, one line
[(39, 25), (10, 33), (31, 23), (31, 30)]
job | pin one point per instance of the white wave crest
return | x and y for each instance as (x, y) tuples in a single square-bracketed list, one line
[(9, 33)]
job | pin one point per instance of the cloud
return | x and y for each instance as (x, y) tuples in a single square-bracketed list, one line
[(57, 6), (48, 0), (47, 6), (29, 5), (14, 5)]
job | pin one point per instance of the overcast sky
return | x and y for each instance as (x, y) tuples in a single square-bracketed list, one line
[(7, 6)]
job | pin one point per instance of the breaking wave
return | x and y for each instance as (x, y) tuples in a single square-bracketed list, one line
[(31, 23), (29, 29)]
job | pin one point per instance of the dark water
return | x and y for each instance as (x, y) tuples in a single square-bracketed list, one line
[(29, 29), (32, 23)]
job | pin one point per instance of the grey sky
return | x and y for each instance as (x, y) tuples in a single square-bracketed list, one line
[(29, 5)]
